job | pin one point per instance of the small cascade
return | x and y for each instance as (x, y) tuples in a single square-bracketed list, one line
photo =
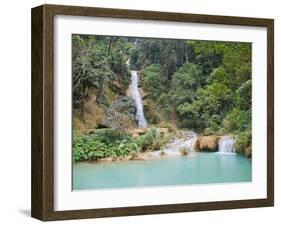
[(135, 94), (188, 142), (173, 147), (191, 138), (227, 145)]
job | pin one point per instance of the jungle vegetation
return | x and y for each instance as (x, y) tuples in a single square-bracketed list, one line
[(203, 86)]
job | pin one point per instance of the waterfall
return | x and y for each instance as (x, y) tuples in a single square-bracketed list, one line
[(227, 145), (135, 94)]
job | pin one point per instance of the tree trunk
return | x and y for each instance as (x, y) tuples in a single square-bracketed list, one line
[(100, 90)]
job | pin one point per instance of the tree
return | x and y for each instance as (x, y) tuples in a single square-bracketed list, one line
[(96, 59), (184, 84), (153, 80), (210, 106)]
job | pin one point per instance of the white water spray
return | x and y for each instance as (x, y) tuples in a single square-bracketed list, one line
[(227, 145), (135, 94), (174, 146)]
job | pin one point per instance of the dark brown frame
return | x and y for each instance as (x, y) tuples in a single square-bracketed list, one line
[(42, 203)]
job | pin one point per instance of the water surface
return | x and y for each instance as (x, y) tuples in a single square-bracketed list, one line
[(196, 168)]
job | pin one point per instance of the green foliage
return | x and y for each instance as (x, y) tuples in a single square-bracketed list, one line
[(149, 139), (225, 93), (211, 104), (185, 83), (108, 136), (235, 67), (170, 54), (109, 143), (244, 95), (237, 120), (200, 89), (119, 66), (89, 63), (134, 59), (152, 140), (84, 148), (96, 60), (243, 141), (153, 80), (102, 145), (205, 58), (128, 48), (200, 85)]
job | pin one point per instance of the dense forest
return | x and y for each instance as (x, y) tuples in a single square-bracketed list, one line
[(202, 86)]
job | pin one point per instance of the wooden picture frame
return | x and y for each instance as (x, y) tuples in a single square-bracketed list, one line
[(42, 203)]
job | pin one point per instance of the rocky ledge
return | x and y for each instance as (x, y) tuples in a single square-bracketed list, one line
[(207, 143)]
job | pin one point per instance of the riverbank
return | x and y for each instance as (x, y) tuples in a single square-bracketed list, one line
[(108, 145)]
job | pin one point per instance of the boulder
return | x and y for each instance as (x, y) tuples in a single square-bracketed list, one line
[(121, 114), (206, 143)]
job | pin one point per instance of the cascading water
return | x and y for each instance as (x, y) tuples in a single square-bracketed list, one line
[(173, 147), (135, 94), (227, 145)]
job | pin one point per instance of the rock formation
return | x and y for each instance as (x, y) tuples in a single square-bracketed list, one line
[(206, 143)]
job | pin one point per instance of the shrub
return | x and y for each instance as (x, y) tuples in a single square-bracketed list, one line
[(153, 80), (95, 147), (243, 141), (152, 140), (237, 120), (84, 148), (108, 136), (125, 148)]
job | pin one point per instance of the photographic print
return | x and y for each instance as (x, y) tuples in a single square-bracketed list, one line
[(160, 112), (148, 112)]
